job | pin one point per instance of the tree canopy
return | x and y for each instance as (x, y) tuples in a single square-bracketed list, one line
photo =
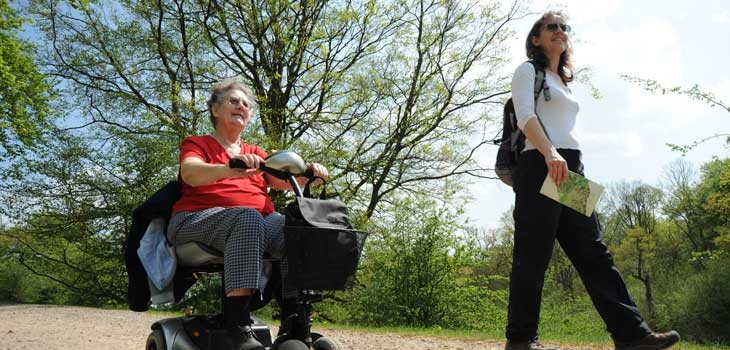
[(394, 97), (24, 90)]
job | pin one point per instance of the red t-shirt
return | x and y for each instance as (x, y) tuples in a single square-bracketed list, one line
[(251, 191)]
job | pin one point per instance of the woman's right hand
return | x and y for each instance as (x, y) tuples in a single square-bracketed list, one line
[(556, 164), (252, 161), (195, 172), (557, 167)]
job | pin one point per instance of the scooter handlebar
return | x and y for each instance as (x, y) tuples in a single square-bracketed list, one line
[(236, 163)]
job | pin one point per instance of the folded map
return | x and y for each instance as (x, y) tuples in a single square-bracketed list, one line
[(577, 192)]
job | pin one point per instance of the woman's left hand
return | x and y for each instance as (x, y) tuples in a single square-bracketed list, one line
[(318, 170)]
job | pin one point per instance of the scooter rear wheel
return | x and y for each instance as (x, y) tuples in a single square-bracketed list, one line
[(327, 343), (292, 344), (156, 340)]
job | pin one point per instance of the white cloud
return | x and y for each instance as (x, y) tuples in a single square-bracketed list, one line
[(646, 50), (622, 143), (587, 11), (661, 112), (720, 90), (722, 17)]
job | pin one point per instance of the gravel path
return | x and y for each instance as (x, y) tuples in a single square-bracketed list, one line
[(44, 327)]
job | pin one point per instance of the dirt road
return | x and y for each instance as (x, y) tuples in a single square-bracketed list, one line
[(43, 327)]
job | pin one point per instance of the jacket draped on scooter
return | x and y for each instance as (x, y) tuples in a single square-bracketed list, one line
[(158, 205)]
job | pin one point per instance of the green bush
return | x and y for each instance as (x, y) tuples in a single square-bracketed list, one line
[(699, 305), (19, 285), (204, 296), (478, 308), (411, 267), (11, 277)]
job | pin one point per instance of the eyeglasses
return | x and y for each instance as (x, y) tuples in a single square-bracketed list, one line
[(235, 101), (553, 27)]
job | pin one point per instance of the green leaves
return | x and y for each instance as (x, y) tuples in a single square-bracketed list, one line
[(393, 96), (24, 91)]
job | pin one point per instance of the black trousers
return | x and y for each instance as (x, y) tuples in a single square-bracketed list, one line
[(539, 221)]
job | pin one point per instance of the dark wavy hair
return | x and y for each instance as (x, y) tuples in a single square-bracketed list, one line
[(536, 53), (220, 90)]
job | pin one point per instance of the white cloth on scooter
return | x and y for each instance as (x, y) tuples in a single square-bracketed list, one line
[(161, 297), (157, 257)]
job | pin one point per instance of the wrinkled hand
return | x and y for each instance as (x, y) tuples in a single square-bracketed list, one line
[(253, 162), (557, 168), (318, 170)]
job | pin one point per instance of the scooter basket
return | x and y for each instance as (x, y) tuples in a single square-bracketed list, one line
[(323, 258)]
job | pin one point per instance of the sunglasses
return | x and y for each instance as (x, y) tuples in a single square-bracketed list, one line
[(553, 27)]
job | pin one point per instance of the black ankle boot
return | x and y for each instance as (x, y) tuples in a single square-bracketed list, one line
[(238, 320), (243, 338), (653, 341)]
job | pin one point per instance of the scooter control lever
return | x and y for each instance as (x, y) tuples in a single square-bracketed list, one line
[(237, 163)]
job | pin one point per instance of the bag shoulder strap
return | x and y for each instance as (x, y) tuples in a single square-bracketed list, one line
[(540, 82), (540, 86)]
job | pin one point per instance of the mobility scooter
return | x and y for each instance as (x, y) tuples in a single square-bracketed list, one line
[(320, 258)]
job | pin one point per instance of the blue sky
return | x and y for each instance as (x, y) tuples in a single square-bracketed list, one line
[(624, 134)]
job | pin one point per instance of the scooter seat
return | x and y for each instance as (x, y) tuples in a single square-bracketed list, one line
[(194, 254)]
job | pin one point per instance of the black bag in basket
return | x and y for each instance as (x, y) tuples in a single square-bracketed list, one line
[(322, 247)]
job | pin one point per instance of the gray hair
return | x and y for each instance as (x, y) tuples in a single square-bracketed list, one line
[(220, 90)]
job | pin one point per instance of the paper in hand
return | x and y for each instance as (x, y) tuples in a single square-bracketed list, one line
[(577, 192)]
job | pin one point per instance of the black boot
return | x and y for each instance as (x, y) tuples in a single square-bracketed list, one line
[(238, 324), (653, 341), (243, 338)]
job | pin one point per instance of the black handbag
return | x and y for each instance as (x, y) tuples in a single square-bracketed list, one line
[(321, 212), (323, 249)]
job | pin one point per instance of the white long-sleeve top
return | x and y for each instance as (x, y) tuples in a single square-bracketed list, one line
[(557, 115)]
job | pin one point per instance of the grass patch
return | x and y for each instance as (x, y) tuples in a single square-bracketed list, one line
[(570, 339), (576, 325), (573, 322)]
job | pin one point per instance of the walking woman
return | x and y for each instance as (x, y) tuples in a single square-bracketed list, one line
[(552, 148)]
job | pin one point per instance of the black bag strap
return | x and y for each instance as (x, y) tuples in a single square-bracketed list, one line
[(540, 83), (540, 86), (307, 193)]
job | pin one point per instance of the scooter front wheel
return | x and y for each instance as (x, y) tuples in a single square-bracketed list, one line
[(327, 343), (291, 344), (156, 340)]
